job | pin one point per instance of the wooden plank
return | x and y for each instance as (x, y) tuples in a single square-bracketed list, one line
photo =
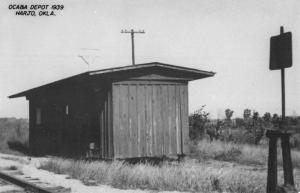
[(185, 123), (172, 103), (116, 119), (178, 119), (124, 129), (149, 82), (24, 184), (102, 132), (109, 124), (149, 120), (111, 129), (154, 121), (160, 121), (141, 114), (105, 129), (32, 144), (133, 120), (169, 120), (165, 125), (157, 77)]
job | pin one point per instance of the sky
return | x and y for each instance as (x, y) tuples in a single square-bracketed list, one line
[(229, 37)]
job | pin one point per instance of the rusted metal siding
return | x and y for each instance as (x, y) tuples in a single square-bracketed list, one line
[(150, 118)]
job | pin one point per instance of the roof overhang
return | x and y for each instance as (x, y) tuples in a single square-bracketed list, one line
[(114, 74), (184, 70)]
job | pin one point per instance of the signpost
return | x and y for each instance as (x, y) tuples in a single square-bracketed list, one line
[(281, 51), (280, 58)]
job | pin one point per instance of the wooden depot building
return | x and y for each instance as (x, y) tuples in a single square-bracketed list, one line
[(125, 112)]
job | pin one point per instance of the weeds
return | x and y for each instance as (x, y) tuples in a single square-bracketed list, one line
[(239, 153), (203, 174), (187, 176)]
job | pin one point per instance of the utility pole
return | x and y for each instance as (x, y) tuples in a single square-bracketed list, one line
[(132, 32)]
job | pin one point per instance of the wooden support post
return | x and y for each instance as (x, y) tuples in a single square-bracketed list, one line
[(272, 162), (287, 160)]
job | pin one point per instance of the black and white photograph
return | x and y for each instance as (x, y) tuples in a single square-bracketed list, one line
[(146, 96)]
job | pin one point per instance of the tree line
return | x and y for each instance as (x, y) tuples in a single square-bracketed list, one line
[(249, 129)]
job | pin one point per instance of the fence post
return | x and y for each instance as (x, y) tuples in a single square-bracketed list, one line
[(272, 162), (287, 160)]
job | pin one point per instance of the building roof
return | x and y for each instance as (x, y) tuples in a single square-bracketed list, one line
[(113, 74)]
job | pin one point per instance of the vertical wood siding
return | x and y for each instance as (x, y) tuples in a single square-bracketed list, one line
[(106, 132), (60, 132), (149, 119), (32, 135)]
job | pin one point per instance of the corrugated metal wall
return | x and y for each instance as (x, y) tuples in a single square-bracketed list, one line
[(149, 118)]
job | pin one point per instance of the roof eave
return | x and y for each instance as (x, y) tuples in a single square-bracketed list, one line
[(152, 64), (192, 74), (27, 92), (17, 95)]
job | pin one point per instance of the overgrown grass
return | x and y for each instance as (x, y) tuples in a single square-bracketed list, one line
[(244, 170), (186, 176), (239, 153)]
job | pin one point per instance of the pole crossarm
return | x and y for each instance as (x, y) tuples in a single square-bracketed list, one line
[(132, 32)]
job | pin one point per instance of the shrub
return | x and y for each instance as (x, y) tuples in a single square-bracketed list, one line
[(14, 135), (197, 123)]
